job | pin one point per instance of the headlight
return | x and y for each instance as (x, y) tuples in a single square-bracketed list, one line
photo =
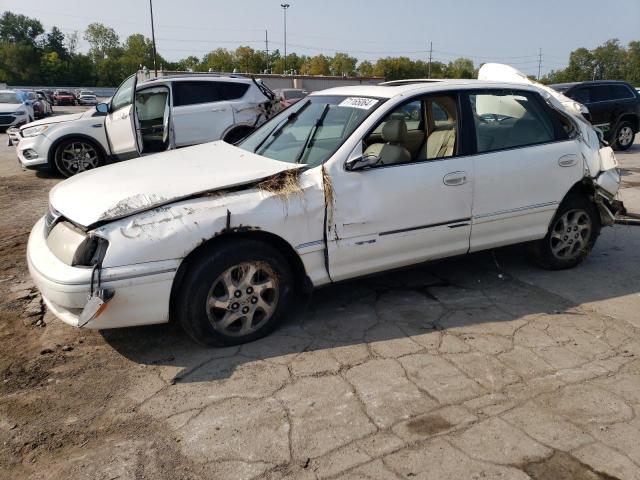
[(90, 252), (74, 247), (34, 131), (21, 112)]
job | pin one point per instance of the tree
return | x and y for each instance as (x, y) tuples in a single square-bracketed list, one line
[(103, 41), (19, 29), (319, 65), (219, 60), (137, 51), (54, 42), (191, 63), (343, 64), (460, 68), (365, 69)]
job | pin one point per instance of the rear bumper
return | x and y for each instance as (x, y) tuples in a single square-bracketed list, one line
[(141, 296)]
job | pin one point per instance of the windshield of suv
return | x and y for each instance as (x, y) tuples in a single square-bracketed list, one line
[(9, 97), (310, 131)]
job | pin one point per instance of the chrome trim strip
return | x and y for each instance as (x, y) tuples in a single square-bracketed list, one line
[(515, 210), (309, 244)]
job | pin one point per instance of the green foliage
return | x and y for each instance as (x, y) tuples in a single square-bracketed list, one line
[(29, 56)]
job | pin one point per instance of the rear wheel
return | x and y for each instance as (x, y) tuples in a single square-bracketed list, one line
[(234, 293), (77, 155), (572, 234), (624, 136)]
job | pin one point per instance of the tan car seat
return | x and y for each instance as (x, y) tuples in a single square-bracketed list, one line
[(393, 151), (440, 143)]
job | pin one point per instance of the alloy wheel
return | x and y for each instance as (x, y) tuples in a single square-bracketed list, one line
[(571, 234), (243, 298), (77, 157), (625, 136)]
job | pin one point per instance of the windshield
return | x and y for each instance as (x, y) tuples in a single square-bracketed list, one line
[(9, 97), (310, 131)]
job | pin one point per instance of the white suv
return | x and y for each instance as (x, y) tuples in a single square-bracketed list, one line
[(156, 115)]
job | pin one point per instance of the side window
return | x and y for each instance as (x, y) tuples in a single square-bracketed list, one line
[(509, 120), (621, 92), (192, 93), (124, 96), (581, 95), (424, 129), (600, 93), (231, 90)]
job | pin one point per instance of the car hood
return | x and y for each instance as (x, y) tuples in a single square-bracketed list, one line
[(61, 118), (10, 107), (126, 188)]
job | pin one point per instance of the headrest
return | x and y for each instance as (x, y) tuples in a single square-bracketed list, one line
[(394, 131)]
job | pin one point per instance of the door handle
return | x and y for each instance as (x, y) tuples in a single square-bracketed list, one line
[(568, 160), (124, 115), (455, 179)]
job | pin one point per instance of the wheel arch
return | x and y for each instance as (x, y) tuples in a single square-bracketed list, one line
[(68, 136), (303, 282)]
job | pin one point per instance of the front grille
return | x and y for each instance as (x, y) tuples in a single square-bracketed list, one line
[(6, 119)]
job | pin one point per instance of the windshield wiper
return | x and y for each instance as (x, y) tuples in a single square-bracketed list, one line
[(308, 143), (279, 127)]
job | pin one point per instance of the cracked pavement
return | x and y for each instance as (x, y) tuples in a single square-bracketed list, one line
[(478, 367)]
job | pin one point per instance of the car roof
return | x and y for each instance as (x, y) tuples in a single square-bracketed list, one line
[(417, 86), (568, 85)]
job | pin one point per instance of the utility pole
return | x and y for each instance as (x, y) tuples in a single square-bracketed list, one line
[(284, 8), (430, 56), (539, 63), (266, 47), (153, 38)]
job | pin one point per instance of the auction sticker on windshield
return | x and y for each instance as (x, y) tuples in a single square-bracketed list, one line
[(358, 102)]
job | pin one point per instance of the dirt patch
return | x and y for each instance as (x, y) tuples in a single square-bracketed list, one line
[(429, 425), (284, 184), (562, 466)]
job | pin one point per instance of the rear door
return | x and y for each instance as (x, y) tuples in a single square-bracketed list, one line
[(525, 163), (120, 122), (200, 114)]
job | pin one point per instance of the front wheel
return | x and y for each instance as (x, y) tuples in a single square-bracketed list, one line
[(623, 136), (234, 293), (572, 234), (77, 155)]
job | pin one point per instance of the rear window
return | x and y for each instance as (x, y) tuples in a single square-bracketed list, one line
[(581, 95), (619, 92), (192, 93), (232, 90)]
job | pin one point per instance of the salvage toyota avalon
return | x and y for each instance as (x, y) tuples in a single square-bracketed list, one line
[(347, 182)]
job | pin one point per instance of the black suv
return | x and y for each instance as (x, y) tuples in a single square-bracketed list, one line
[(614, 107)]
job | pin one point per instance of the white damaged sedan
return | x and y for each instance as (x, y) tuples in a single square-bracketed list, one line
[(347, 182)]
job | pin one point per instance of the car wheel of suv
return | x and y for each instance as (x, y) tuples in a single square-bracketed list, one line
[(624, 136), (572, 234), (77, 155), (234, 293)]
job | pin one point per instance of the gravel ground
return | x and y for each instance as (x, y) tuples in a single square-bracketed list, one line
[(478, 367)]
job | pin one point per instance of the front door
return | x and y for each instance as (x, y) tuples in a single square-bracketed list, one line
[(526, 162), (414, 204), (200, 114), (120, 122)]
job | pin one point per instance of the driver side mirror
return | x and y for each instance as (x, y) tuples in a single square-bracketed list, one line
[(102, 108), (362, 163)]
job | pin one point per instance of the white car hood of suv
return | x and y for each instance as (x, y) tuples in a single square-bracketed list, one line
[(133, 186), (11, 107), (62, 118)]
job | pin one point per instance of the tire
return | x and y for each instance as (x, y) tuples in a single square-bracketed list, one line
[(234, 136), (558, 250), (623, 137), (75, 155), (206, 284)]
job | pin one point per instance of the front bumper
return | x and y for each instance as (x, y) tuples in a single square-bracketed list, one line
[(7, 121), (141, 296), (27, 147)]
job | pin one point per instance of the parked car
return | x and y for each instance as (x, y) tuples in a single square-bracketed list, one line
[(64, 97), (41, 106), (221, 237), (87, 98), (47, 94), (289, 96), (15, 109), (614, 107), (157, 115)]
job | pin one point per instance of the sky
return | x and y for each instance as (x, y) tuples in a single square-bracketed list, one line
[(484, 30)]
